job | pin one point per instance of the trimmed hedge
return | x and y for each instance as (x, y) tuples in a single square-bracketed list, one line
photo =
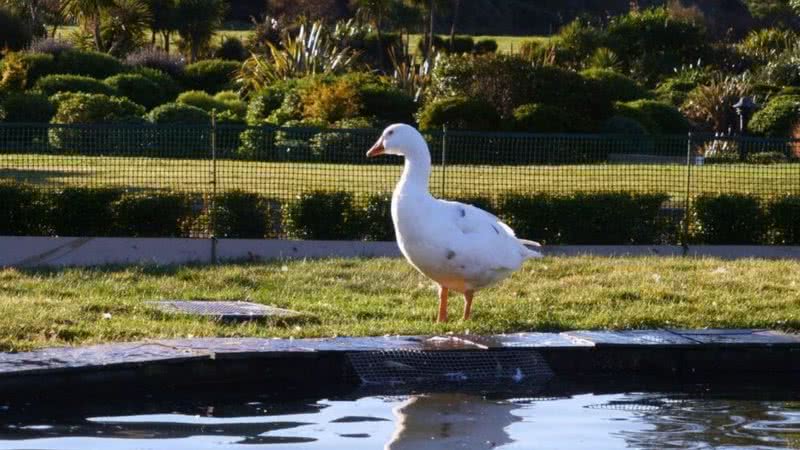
[(179, 113), (657, 117), (728, 219), (211, 75), (777, 118), (163, 214), (582, 218), (538, 118), (137, 88), (241, 214), (53, 84), (88, 63), (322, 215), (614, 85), (27, 107), (82, 109), (586, 218), (459, 113)]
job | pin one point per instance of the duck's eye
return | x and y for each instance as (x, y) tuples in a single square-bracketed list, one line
[(390, 132)]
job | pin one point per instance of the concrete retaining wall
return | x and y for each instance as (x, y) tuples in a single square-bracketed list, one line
[(26, 251)]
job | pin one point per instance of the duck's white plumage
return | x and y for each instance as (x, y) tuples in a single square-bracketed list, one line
[(461, 247)]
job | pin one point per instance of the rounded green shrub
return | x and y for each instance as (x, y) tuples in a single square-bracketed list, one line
[(25, 210), (178, 113), (168, 88), (459, 113), (386, 103), (53, 84), (657, 117), (27, 107), (76, 210), (782, 216), (777, 118), (231, 49), (623, 125), (14, 32), (322, 215), (231, 101), (138, 88), (211, 75), (483, 46), (83, 108), (161, 214), (538, 118), (265, 101), (21, 70), (767, 158), (613, 85), (728, 219), (200, 99), (91, 64), (377, 218), (245, 215)]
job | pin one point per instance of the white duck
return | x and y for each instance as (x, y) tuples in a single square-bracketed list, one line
[(459, 246)]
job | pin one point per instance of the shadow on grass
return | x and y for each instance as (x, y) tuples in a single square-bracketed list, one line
[(39, 176)]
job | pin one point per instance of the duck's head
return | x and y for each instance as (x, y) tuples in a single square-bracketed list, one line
[(399, 139)]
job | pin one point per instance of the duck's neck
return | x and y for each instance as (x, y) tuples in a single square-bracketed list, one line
[(416, 173)]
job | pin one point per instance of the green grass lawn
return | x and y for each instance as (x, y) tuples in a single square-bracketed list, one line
[(505, 44), (286, 180), (41, 308)]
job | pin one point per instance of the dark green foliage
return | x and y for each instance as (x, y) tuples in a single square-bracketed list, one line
[(586, 218), (657, 117), (179, 113), (623, 125), (138, 88), (485, 46), (728, 219), (156, 59), (767, 158), (162, 214), (265, 101), (231, 49), (14, 32), (241, 214), (52, 84), (674, 91), (83, 211), (377, 54), (211, 75), (24, 211), (783, 215), (459, 44), (386, 103), (91, 64), (538, 118), (27, 107), (322, 215), (377, 218), (459, 113), (651, 44), (168, 88), (574, 43), (613, 85), (777, 118), (82, 108), (34, 65)]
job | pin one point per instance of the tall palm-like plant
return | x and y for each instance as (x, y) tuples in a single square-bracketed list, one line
[(197, 22), (88, 13), (124, 25), (163, 20), (311, 52), (374, 11)]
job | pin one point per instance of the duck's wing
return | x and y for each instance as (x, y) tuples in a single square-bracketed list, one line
[(470, 220)]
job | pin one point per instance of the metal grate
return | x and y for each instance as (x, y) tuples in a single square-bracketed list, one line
[(397, 367), (223, 310)]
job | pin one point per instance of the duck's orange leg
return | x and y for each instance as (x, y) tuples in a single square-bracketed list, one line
[(467, 304), (442, 304)]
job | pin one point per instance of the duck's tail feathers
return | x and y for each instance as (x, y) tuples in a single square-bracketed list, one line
[(531, 252)]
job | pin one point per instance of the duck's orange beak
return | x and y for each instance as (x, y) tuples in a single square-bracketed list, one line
[(376, 149)]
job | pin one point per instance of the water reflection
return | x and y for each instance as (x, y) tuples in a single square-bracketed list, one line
[(430, 421), (450, 421)]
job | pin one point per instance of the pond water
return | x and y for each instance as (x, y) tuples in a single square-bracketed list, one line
[(702, 418)]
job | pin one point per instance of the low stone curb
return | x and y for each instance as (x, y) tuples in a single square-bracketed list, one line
[(185, 363)]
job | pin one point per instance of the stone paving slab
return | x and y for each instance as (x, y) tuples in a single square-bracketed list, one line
[(632, 337), (223, 310), (739, 337)]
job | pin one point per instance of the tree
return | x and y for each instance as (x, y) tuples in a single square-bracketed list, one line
[(123, 26), (162, 20), (88, 12), (374, 11), (198, 20), (777, 12)]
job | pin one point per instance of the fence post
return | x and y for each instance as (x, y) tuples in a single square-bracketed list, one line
[(212, 210), (444, 159), (688, 199)]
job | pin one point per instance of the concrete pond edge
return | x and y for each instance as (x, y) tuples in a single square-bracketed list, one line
[(295, 363), (36, 251)]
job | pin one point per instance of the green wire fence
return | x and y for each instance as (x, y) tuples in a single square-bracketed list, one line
[(286, 164)]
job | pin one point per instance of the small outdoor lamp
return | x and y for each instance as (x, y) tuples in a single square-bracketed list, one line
[(744, 107)]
